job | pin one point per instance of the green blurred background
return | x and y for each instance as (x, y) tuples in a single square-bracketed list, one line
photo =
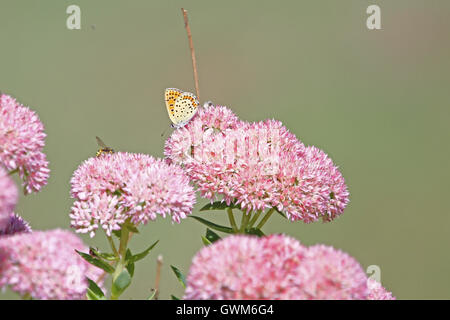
[(378, 102)]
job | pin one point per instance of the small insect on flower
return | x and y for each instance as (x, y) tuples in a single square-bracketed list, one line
[(93, 252), (103, 148), (181, 106)]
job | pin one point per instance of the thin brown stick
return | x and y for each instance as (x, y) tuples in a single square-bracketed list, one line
[(191, 46), (159, 263)]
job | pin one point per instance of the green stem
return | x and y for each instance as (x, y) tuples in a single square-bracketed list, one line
[(113, 246), (232, 221), (124, 235), (265, 218), (254, 219), (244, 222)]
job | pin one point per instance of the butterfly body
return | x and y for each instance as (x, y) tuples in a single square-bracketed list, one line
[(181, 106)]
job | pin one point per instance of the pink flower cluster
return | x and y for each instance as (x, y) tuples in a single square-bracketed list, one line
[(8, 197), (377, 291), (115, 187), (274, 267), (21, 143), (15, 224), (44, 265), (257, 166)]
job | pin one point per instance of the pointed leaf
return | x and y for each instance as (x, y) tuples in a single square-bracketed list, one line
[(143, 254), (180, 276), (94, 292), (205, 241), (173, 297), (130, 265), (128, 254), (96, 262), (121, 283), (130, 268), (213, 225), (91, 296), (212, 236), (152, 295)]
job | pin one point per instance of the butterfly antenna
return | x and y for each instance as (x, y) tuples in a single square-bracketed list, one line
[(191, 46)]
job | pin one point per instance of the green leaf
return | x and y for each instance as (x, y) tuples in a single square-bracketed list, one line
[(121, 283), (173, 297), (143, 254), (96, 262), (130, 265), (212, 236), (213, 225), (128, 254), (180, 276), (94, 292), (205, 241), (152, 295), (218, 205), (130, 268), (254, 231)]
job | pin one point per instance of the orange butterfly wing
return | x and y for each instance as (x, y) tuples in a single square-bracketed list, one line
[(170, 96)]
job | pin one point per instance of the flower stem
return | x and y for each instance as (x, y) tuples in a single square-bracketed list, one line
[(254, 219), (232, 221), (113, 247), (245, 220), (265, 218), (124, 235)]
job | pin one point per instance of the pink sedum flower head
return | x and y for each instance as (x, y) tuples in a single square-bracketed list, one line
[(21, 143), (257, 166), (377, 291), (209, 122), (331, 274), (44, 265), (274, 267), (244, 267), (112, 188), (8, 197), (310, 187), (15, 224)]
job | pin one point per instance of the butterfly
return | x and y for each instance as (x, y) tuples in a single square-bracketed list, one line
[(181, 106), (103, 148)]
